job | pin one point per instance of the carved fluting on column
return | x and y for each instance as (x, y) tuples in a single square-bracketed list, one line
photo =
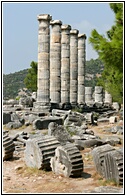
[(43, 58), (65, 63), (73, 65), (81, 68), (43, 93), (55, 61)]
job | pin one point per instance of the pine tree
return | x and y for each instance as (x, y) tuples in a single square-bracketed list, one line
[(110, 51), (31, 78)]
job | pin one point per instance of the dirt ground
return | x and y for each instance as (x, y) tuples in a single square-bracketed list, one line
[(18, 178)]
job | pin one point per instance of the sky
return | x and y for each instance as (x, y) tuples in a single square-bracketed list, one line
[(20, 27)]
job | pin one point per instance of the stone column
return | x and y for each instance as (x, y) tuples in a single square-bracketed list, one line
[(98, 94), (73, 66), (81, 68), (43, 93), (55, 61), (88, 95), (108, 98), (65, 64)]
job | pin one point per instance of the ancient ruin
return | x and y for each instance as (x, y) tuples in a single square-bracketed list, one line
[(61, 64), (59, 124)]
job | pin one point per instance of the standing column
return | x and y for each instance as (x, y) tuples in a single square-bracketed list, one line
[(108, 98), (98, 94), (65, 64), (88, 95), (73, 66), (81, 68), (55, 61), (43, 93)]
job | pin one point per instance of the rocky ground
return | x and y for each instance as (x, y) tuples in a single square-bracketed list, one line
[(18, 178)]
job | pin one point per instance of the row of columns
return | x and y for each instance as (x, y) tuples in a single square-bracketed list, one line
[(61, 63), (98, 95)]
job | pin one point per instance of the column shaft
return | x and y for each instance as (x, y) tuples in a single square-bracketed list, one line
[(81, 68), (43, 94), (55, 62), (73, 66), (65, 64)]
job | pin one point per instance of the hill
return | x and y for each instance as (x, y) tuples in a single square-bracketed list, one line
[(14, 81)]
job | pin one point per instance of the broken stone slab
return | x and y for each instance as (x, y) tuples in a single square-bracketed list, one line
[(39, 151), (98, 154), (67, 161), (59, 132), (89, 118), (89, 143), (88, 136), (14, 125), (112, 140), (60, 113), (73, 119), (43, 123), (117, 129), (87, 131), (112, 119)]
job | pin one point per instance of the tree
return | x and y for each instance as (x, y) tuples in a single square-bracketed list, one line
[(110, 51), (31, 78)]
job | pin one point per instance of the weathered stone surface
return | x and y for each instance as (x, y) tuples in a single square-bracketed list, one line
[(14, 125), (59, 132), (89, 143), (8, 146), (73, 65), (67, 161), (26, 101), (113, 164), (113, 119), (43, 123), (39, 151), (73, 119), (60, 113), (89, 118), (112, 140), (98, 154)]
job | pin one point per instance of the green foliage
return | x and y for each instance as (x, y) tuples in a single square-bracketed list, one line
[(110, 51), (12, 83), (31, 78), (93, 67)]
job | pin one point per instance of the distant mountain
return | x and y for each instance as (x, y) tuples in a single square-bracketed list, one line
[(15, 81)]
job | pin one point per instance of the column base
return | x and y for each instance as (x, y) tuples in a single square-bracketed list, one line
[(41, 107)]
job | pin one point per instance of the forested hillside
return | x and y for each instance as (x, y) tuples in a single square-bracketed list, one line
[(14, 81)]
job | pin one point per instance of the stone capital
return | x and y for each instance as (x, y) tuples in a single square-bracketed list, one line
[(66, 27), (74, 31), (44, 17), (55, 22), (82, 35)]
